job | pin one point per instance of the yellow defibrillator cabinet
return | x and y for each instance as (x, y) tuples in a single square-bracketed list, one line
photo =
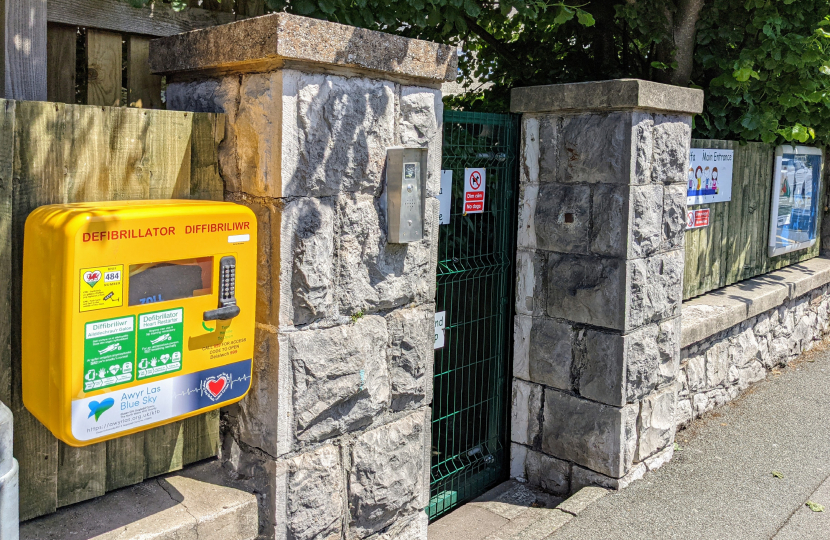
[(135, 314)]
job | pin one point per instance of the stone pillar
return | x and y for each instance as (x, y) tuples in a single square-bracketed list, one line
[(600, 268), (335, 433)]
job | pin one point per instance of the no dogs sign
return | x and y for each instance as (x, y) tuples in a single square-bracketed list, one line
[(474, 184)]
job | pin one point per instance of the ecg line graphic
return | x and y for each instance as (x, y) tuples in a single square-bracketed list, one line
[(199, 389)]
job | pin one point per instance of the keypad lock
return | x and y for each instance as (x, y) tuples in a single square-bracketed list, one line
[(227, 288)]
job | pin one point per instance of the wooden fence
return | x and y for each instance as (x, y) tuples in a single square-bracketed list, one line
[(94, 52), (56, 153), (734, 246)]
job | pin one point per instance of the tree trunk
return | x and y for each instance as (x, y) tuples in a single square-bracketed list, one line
[(688, 13)]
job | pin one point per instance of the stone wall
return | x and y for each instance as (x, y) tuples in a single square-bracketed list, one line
[(717, 369), (600, 265), (334, 435)]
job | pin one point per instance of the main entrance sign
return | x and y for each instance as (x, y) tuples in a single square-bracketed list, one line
[(135, 314)]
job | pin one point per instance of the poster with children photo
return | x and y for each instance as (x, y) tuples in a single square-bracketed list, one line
[(710, 176)]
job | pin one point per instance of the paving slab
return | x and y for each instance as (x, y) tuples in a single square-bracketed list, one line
[(509, 511), (720, 483), (198, 503)]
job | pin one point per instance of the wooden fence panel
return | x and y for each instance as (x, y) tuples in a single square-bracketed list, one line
[(72, 153), (103, 59), (60, 61), (734, 246), (143, 88)]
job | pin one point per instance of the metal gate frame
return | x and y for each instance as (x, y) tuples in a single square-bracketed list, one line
[(475, 287)]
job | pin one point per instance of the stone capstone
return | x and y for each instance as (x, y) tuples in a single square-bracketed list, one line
[(387, 479), (341, 379)]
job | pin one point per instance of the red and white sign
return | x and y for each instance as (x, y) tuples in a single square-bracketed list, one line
[(474, 184), (696, 219)]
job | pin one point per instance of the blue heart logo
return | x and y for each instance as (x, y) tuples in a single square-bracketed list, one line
[(97, 409)]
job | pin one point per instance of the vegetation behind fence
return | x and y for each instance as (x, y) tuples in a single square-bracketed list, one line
[(54, 153), (734, 246)]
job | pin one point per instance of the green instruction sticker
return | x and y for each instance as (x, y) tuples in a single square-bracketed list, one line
[(109, 352), (160, 337)]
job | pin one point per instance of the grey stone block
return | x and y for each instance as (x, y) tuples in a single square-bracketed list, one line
[(341, 380), (526, 234), (387, 476), (313, 494), (656, 425), (422, 113), (674, 217), (652, 358), (307, 241), (646, 220), (550, 145), (522, 325), (550, 353), (529, 152), (531, 294), (373, 274), (662, 457), (642, 147), (410, 356), (525, 424), (582, 478), (654, 288), (593, 435), (563, 216), (413, 528), (672, 139), (601, 367), (585, 289), (549, 473), (596, 148), (609, 220), (606, 95), (343, 128)]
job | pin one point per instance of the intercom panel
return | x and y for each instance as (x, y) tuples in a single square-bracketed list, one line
[(135, 314), (406, 171)]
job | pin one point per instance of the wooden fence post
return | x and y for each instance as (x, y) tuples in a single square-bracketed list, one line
[(24, 40)]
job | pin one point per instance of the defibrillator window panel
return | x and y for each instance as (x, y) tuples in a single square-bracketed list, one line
[(97, 365), (170, 280)]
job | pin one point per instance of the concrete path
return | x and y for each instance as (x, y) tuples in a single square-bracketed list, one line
[(720, 484)]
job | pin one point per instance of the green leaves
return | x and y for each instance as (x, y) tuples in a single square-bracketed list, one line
[(815, 507)]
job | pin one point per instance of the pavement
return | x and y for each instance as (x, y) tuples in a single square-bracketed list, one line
[(512, 511), (744, 471)]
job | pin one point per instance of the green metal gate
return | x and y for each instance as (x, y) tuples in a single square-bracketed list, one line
[(476, 254)]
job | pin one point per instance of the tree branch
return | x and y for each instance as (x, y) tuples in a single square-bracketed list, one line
[(500, 48), (688, 13)]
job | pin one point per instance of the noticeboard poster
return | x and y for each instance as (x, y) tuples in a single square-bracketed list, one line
[(710, 176), (795, 193)]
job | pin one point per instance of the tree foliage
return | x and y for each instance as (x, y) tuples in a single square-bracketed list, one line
[(763, 64)]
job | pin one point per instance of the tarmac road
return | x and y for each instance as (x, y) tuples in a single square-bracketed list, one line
[(720, 484)]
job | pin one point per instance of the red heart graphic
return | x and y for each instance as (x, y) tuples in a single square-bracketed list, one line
[(215, 387)]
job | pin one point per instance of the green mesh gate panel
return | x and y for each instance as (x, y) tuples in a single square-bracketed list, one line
[(476, 253)]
